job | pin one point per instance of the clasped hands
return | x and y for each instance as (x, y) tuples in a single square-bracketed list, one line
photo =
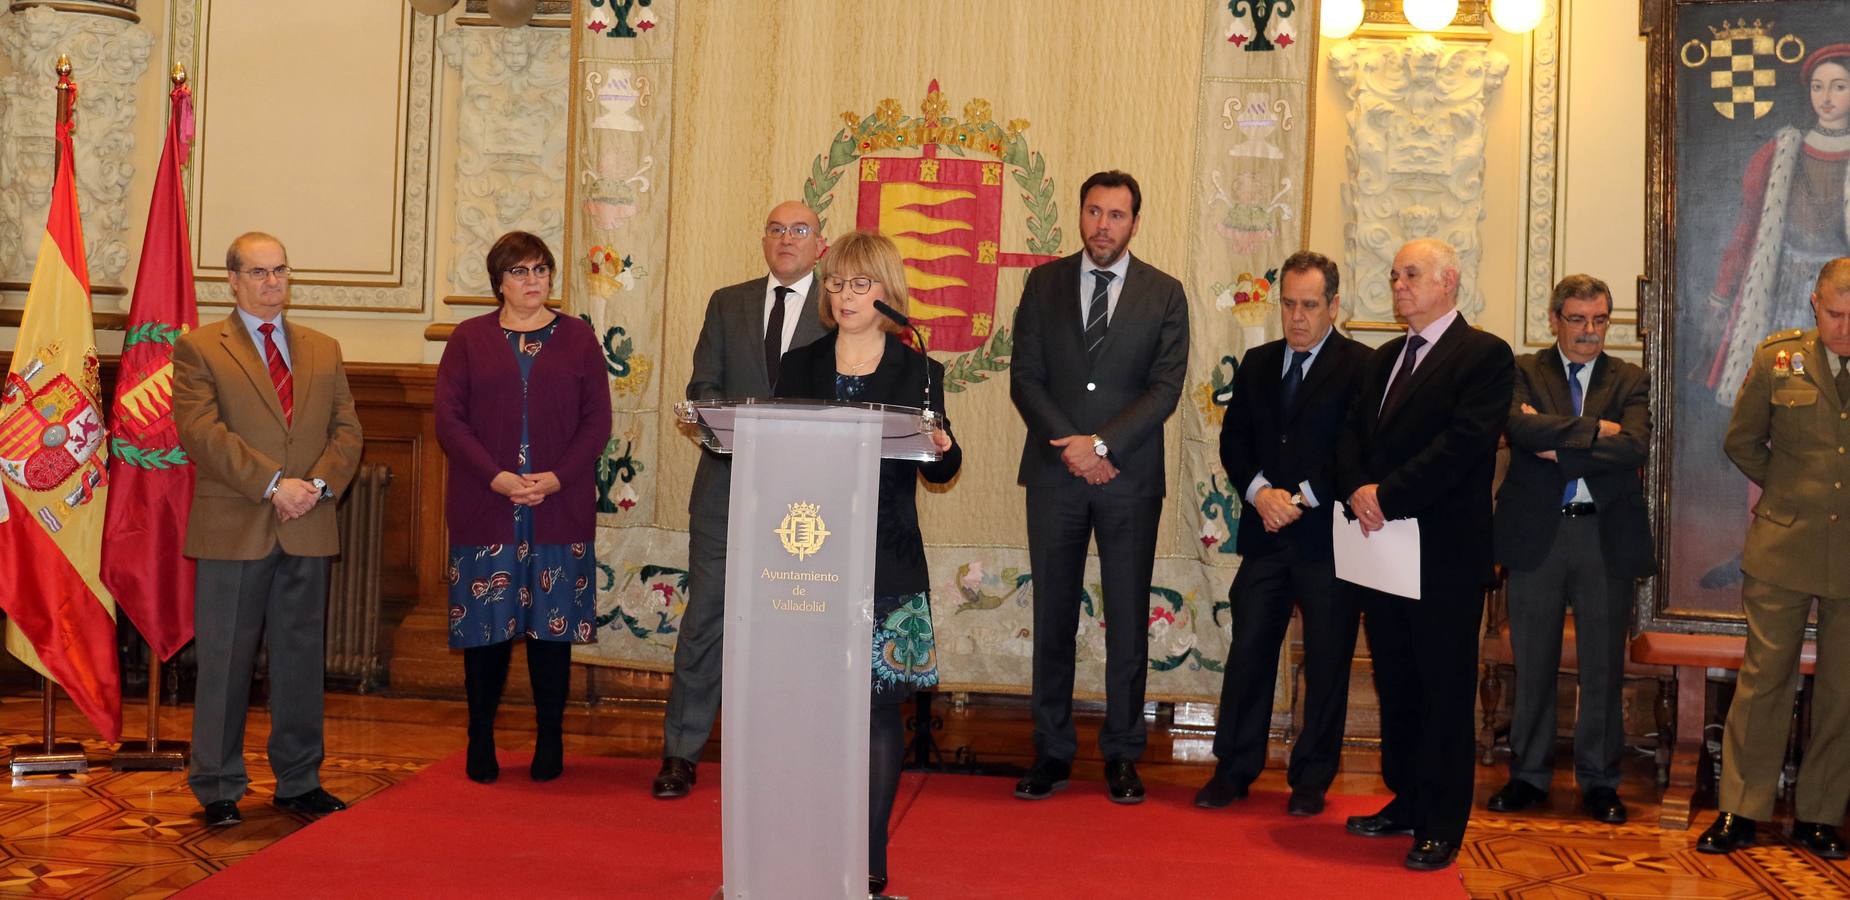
[(525, 490), (293, 498), (1275, 508), (1607, 428), (1083, 461)]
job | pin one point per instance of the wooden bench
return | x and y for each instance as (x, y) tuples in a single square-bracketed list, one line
[(1693, 656)]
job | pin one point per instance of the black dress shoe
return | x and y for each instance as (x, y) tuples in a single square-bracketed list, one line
[(1305, 803), (1121, 781), (1602, 803), (675, 779), (876, 885), (1377, 825), (1428, 854), (1516, 796), (223, 812), (1046, 778), (1218, 793), (1822, 840), (315, 802), (1728, 834)]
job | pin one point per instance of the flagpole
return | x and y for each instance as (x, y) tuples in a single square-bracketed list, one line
[(50, 757), (155, 754)]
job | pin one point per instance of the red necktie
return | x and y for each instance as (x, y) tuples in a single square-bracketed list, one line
[(279, 371)]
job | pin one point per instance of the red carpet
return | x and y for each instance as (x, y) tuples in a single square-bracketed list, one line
[(597, 832)]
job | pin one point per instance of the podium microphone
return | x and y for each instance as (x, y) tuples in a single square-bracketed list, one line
[(886, 309)]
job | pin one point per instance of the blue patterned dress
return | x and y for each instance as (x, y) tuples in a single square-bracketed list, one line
[(905, 649), (501, 591)]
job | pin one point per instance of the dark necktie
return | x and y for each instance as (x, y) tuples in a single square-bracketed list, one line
[(774, 335), (1096, 310), (1573, 393), (279, 371), (1843, 380), (1398, 389), (1294, 377)]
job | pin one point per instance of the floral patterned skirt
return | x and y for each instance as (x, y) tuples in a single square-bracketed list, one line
[(501, 591), (905, 650)]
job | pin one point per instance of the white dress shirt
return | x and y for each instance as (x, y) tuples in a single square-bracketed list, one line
[(793, 305)]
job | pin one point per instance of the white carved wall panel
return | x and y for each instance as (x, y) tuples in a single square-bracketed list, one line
[(1415, 158)]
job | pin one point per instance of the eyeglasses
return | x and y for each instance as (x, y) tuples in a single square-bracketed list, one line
[(1580, 322), (861, 284), (521, 272), (799, 231), (281, 273)]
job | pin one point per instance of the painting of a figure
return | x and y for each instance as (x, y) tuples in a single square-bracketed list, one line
[(1762, 174)]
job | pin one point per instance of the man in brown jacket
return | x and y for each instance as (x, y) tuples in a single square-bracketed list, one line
[(263, 410), (1789, 435)]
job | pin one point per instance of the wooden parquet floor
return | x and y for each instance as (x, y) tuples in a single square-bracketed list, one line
[(137, 834)]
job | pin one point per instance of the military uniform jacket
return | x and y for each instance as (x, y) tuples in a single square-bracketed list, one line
[(1790, 435)]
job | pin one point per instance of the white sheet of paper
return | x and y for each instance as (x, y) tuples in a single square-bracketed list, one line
[(1387, 560)]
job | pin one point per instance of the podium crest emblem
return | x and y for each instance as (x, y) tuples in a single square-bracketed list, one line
[(802, 531)]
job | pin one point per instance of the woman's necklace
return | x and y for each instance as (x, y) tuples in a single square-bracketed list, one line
[(854, 368), (1832, 132)]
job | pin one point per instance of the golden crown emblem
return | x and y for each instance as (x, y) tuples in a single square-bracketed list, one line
[(802, 530), (1741, 29)]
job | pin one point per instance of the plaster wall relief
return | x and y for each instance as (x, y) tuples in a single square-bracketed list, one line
[(1415, 159), (108, 56), (510, 164)]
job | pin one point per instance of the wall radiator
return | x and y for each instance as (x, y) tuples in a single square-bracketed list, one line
[(353, 658)]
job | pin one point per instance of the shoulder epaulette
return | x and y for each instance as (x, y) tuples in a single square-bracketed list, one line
[(1790, 334)]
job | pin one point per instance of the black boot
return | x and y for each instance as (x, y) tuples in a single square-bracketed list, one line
[(484, 672), (886, 754), (549, 665)]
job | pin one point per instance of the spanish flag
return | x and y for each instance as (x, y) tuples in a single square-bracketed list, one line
[(53, 464)]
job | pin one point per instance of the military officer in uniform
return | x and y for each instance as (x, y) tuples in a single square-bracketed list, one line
[(1790, 435)]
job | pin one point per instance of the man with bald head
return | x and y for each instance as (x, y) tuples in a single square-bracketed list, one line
[(748, 328), (1420, 443), (264, 413), (1789, 432)]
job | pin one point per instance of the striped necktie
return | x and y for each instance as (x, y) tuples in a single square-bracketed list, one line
[(1096, 311), (279, 371)]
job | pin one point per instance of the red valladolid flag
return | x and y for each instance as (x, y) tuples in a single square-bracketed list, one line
[(151, 480), (60, 617)]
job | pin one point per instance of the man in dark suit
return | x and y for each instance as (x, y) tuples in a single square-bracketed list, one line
[(1278, 446), (263, 410), (1421, 444), (748, 328), (1101, 350), (1571, 528)]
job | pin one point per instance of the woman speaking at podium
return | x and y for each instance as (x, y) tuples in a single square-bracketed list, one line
[(864, 361)]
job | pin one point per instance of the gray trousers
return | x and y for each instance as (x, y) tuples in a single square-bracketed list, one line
[(1573, 573), (280, 600), (693, 697)]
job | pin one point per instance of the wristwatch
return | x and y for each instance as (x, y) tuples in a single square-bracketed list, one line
[(1098, 446), (1297, 500), (321, 490)]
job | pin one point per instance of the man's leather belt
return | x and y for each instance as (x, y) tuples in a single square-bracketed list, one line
[(1578, 509)]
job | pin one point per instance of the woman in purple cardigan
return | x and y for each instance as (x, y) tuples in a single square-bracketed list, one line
[(523, 410)]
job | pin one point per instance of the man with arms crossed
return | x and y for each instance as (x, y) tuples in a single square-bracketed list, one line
[(748, 328), (1278, 444), (1571, 529), (1101, 350)]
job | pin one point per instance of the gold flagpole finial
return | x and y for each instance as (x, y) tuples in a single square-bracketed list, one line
[(178, 75), (63, 69)]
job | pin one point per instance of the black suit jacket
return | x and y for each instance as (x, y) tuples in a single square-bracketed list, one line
[(1435, 454), (1292, 446), (808, 372), (729, 365), (1529, 502), (1124, 399)]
